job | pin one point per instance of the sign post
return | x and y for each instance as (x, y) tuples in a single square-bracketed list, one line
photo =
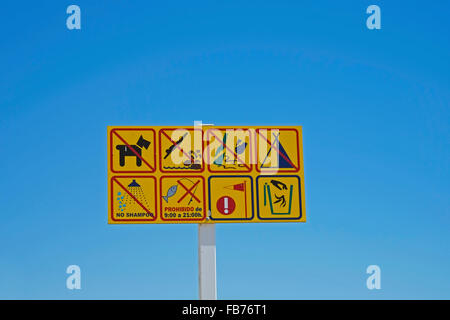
[(205, 175), (207, 282)]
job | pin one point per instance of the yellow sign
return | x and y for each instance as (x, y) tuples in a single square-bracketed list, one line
[(231, 198), (132, 197), (132, 150), (279, 197), (205, 174), (182, 198), (178, 151)]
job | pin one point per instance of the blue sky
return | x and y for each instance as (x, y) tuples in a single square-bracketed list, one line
[(374, 106)]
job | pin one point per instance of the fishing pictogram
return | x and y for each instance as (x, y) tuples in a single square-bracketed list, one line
[(189, 191), (182, 198)]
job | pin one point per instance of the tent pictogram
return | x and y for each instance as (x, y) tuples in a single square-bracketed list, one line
[(285, 160)]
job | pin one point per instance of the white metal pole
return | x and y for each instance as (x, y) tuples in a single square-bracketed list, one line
[(207, 261)]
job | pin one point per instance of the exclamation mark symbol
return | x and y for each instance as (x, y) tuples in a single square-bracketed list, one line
[(225, 205)]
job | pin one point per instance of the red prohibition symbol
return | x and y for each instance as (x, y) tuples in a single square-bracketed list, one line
[(226, 205)]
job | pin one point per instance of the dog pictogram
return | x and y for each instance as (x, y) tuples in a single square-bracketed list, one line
[(134, 150)]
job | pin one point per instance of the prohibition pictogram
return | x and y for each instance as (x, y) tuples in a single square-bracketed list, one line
[(185, 145), (182, 198), (132, 198), (278, 139), (220, 158), (188, 191), (136, 157)]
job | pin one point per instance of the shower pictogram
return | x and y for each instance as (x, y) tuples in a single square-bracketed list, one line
[(133, 198), (135, 193)]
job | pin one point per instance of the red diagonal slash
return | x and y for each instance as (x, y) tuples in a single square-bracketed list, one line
[(278, 151), (232, 151), (131, 195), (188, 191), (176, 145), (245, 198), (134, 151)]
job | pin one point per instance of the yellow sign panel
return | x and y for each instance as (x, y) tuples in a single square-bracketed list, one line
[(279, 197), (132, 150), (132, 198), (278, 150), (178, 152), (182, 198), (231, 198), (205, 174)]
